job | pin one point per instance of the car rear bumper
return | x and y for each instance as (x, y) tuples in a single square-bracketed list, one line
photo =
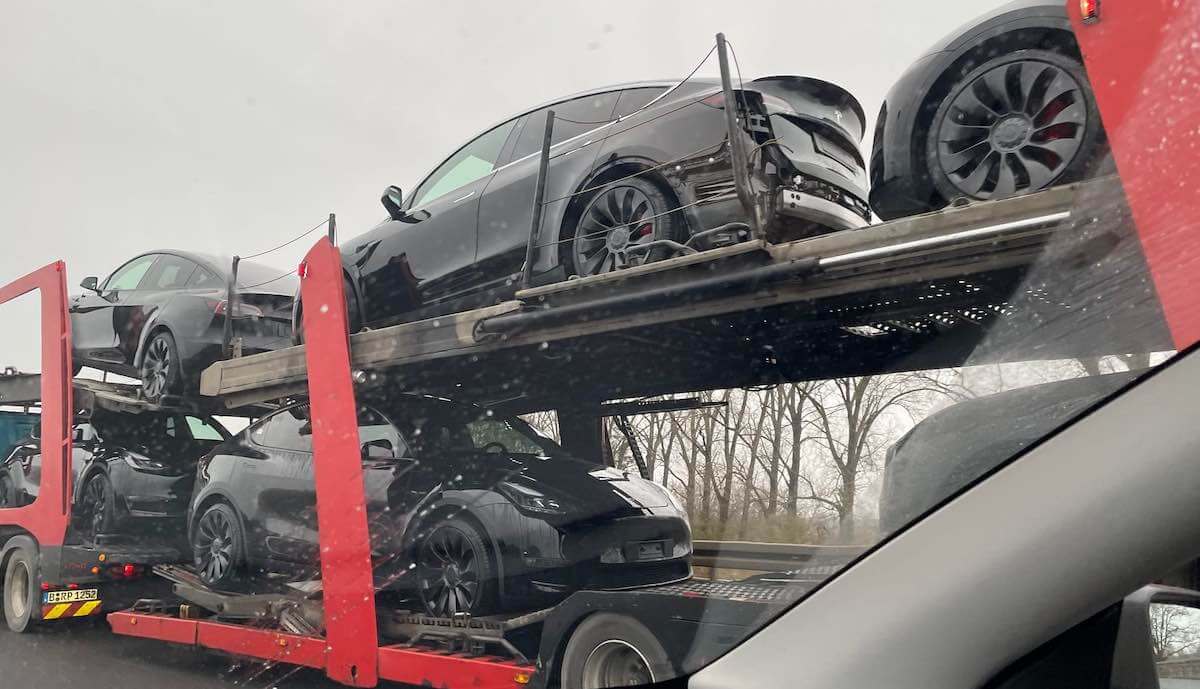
[(792, 202)]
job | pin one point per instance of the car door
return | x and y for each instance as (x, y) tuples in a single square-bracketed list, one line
[(428, 257), (506, 211), (284, 490), (387, 465), (98, 319)]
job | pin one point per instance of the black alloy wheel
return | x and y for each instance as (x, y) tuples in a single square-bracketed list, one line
[(217, 546), (1016, 124), (160, 367), (97, 507), (617, 220), (455, 571)]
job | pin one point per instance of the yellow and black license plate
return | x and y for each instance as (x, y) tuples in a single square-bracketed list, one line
[(58, 605), (70, 596)]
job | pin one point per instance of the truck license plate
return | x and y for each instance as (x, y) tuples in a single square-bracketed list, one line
[(73, 596)]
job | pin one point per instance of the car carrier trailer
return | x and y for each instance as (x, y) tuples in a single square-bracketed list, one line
[(924, 292)]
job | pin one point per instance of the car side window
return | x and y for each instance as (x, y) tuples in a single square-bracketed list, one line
[(374, 426), (130, 275), (202, 429), (633, 99), (289, 429), (203, 279), (471, 162), (572, 118), (169, 272)]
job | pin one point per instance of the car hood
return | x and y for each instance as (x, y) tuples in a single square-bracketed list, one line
[(584, 488)]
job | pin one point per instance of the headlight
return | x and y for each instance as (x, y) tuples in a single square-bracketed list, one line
[(670, 497), (527, 498)]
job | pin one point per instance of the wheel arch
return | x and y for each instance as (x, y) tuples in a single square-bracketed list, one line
[(348, 281), (453, 510), (20, 539), (1045, 37), (611, 171), (152, 328)]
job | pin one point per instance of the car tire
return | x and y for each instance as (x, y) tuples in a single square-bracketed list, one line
[(353, 317), (161, 375), (21, 587), (219, 546), (456, 572), (97, 512), (612, 650), (1017, 123), (616, 217)]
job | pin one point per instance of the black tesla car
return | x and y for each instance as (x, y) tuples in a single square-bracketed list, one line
[(161, 317), (470, 512), (133, 472), (630, 165), (1000, 107)]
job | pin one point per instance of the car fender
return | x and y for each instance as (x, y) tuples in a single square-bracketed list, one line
[(898, 128), (465, 501), (154, 321)]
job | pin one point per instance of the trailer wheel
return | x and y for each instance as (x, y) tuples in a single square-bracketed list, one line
[(21, 590), (611, 650)]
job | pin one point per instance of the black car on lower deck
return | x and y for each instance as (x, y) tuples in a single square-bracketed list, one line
[(469, 511), (133, 472), (161, 317), (623, 160)]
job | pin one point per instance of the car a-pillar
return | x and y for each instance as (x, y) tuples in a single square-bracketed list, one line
[(581, 433)]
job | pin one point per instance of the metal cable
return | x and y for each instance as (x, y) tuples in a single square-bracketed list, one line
[(682, 81), (588, 190), (290, 241), (267, 282), (638, 221)]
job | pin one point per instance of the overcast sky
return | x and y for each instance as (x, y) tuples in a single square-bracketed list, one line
[(232, 126)]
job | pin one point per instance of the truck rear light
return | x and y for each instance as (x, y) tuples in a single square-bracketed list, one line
[(130, 571), (240, 311), (1089, 10)]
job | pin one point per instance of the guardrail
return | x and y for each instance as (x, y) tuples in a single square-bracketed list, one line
[(770, 557)]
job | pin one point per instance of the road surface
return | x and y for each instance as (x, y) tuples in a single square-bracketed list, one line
[(74, 655)]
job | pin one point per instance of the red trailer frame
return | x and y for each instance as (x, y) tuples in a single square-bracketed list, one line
[(1136, 52)]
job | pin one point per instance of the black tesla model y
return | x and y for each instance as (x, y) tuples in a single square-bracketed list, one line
[(469, 512), (161, 317), (133, 472), (629, 165)]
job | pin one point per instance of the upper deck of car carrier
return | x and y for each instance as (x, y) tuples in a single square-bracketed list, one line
[(942, 289)]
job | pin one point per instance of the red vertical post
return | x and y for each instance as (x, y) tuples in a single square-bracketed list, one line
[(348, 585), (1143, 59), (48, 516)]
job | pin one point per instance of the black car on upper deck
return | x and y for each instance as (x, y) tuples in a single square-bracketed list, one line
[(1000, 107), (629, 165), (161, 317)]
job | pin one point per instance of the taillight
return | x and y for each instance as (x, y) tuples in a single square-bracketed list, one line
[(1090, 10), (240, 311)]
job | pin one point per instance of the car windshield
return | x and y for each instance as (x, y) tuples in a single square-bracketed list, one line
[(673, 320), (434, 426)]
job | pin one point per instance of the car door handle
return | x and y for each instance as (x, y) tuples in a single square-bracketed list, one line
[(463, 198)]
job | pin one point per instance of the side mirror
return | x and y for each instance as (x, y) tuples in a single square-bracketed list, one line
[(378, 449), (91, 283), (392, 200)]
